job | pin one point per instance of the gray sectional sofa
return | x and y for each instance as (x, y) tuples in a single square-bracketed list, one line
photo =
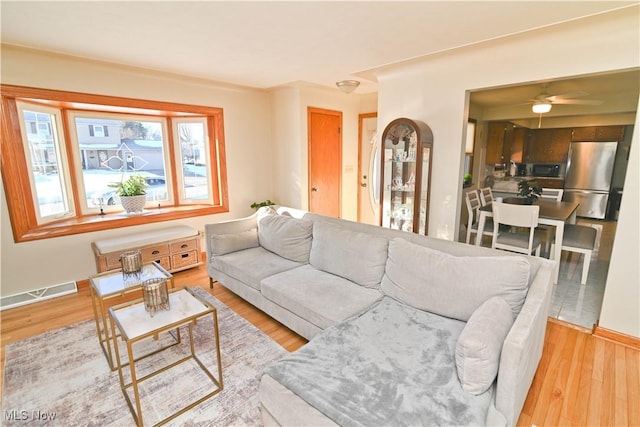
[(404, 329)]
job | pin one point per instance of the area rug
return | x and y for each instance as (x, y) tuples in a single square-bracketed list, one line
[(62, 377)]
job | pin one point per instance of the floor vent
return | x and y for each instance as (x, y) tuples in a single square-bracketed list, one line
[(38, 295)]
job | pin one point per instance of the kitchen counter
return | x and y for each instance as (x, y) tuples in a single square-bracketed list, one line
[(510, 184)]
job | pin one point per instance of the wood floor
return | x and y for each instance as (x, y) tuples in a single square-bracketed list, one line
[(581, 380)]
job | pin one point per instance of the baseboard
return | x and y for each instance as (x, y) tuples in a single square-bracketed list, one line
[(48, 292), (617, 337)]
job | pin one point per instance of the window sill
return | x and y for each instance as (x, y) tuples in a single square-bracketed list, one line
[(93, 223)]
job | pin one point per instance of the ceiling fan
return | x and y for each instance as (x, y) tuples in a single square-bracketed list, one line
[(543, 101)]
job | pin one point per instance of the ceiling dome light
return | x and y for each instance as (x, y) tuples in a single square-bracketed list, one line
[(348, 86), (540, 107)]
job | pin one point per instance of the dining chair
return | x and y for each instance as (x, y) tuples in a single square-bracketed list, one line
[(582, 240), (486, 196), (517, 217), (549, 230), (472, 201)]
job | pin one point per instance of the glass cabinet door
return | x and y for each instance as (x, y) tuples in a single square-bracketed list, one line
[(406, 168)]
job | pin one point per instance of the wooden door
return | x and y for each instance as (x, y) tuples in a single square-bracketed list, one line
[(325, 161), (368, 169)]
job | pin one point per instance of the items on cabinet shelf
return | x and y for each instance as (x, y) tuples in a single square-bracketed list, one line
[(406, 167)]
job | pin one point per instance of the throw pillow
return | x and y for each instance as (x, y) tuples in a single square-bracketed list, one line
[(286, 236), (226, 243), (359, 257), (452, 286), (480, 344)]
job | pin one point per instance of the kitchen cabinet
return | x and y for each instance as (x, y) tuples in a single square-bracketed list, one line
[(548, 182), (598, 133), (505, 142), (407, 150), (547, 145)]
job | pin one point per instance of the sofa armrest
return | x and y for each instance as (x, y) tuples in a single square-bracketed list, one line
[(523, 346), (233, 226)]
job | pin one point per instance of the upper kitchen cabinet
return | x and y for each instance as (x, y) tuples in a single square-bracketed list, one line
[(547, 145), (599, 133), (406, 175), (505, 143)]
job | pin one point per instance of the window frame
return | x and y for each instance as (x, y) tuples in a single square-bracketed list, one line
[(15, 167)]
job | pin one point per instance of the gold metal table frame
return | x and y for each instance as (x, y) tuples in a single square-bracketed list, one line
[(134, 324), (110, 285)]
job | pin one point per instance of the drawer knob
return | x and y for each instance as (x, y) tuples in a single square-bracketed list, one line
[(156, 252), (185, 255), (184, 245)]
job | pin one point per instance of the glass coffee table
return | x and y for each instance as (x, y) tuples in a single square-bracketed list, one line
[(113, 284), (134, 324)]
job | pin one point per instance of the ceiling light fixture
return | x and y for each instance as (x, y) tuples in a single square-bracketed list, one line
[(540, 107), (348, 86)]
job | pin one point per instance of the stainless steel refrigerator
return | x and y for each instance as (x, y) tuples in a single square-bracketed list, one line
[(588, 177)]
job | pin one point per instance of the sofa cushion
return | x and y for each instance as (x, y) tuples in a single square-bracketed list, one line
[(252, 265), (221, 244), (480, 344), (356, 256), (452, 286), (319, 297), (286, 236)]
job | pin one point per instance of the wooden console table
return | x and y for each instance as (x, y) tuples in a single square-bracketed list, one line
[(174, 248)]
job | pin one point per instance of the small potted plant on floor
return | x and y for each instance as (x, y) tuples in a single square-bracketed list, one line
[(529, 190), (132, 193)]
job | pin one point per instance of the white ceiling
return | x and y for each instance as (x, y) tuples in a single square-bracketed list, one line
[(265, 44)]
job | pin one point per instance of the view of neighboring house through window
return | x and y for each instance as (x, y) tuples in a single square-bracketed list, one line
[(44, 152), (110, 148)]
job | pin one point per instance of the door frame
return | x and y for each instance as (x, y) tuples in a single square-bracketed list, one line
[(361, 118)]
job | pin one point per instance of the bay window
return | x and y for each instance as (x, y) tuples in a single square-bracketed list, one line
[(63, 152)]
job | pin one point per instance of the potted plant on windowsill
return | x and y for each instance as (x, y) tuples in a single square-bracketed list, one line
[(132, 193), (529, 190)]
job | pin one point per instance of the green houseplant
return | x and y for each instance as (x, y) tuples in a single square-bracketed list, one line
[(132, 193), (529, 190), (258, 205)]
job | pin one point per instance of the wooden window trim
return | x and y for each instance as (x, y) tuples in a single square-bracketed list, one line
[(15, 176)]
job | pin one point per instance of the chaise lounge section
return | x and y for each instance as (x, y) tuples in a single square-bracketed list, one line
[(404, 329)]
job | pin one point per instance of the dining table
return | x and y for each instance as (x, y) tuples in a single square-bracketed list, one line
[(552, 212)]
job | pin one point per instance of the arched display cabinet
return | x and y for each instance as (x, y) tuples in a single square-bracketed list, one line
[(407, 149)]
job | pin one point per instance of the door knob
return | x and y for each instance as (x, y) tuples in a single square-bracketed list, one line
[(314, 189)]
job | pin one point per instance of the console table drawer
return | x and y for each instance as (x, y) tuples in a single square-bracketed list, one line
[(187, 245), (184, 260), (164, 261), (151, 252), (113, 260)]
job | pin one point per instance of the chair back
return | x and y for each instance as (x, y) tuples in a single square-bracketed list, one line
[(516, 215), (473, 203), (486, 196), (552, 193), (522, 216)]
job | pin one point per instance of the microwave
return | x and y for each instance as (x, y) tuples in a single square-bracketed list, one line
[(546, 169)]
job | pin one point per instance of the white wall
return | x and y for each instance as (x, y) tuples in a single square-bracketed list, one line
[(249, 147), (433, 90), (622, 296), (291, 139)]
